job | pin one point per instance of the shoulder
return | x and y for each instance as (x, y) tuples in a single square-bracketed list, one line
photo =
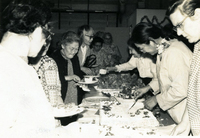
[(178, 47), (50, 61)]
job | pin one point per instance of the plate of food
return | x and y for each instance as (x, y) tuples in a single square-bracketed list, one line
[(107, 90), (64, 112), (91, 76), (88, 82)]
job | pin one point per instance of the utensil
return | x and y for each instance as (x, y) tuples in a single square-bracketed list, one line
[(102, 71), (132, 105), (109, 95)]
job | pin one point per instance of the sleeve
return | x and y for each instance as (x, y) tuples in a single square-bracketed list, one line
[(175, 71), (131, 64), (154, 82), (53, 82)]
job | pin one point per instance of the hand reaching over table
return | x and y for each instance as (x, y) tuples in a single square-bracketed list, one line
[(139, 92), (111, 69), (150, 103)]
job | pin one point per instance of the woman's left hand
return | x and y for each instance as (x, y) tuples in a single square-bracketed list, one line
[(72, 77), (150, 103)]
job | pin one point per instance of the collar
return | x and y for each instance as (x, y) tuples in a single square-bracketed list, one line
[(162, 46)]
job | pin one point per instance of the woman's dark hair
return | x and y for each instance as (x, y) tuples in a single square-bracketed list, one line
[(95, 40), (23, 17), (187, 6), (132, 45), (68, 38), (143, 31)]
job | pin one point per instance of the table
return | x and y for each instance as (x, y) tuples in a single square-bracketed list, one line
[(91, 115)]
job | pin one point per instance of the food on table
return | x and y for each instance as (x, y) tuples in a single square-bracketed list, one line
[(117, 115), (123, 81)]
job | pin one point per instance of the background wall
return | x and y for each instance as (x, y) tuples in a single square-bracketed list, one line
[(115, 16)]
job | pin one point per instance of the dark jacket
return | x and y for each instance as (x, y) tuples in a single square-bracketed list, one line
[(63, 71)]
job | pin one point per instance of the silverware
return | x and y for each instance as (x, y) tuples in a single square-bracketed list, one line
[(132, 105), (109, 95)]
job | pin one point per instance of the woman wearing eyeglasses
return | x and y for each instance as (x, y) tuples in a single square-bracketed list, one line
[(172, 65), (185, 16)]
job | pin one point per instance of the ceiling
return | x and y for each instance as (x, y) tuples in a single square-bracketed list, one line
[(156, 4)]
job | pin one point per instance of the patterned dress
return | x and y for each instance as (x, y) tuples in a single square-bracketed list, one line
[(114, 55), (48, 75), (194, 92)]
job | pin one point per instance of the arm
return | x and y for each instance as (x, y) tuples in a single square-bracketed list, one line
[(152, 85), (53, 84), (131, 64), (141, 91)]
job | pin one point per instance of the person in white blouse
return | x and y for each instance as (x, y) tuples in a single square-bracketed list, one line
[(145, 65), (25, 110), (173, 69), (86, 33)]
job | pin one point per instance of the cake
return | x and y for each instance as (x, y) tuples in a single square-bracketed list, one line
[(65, 111), (112, 114)]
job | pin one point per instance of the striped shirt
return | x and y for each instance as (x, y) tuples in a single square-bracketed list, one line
[(194, 92)]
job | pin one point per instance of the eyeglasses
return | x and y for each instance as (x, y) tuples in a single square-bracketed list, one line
[(90, 36), (47, 33), (179, 25)]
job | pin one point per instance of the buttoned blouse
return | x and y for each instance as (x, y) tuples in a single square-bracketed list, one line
[(173, 74)]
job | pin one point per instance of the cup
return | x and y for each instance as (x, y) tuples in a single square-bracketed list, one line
[(102, 71), (88, 79)]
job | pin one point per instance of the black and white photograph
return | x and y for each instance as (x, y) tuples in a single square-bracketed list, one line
[(99, 68)]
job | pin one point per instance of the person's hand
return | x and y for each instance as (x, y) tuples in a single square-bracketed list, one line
[(150, 103), (69, 106), (111, 69), (140, 91), (72, 77), (87, 71)]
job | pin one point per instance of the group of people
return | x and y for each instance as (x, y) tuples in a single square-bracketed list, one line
[(97, 50), (29, 90), (176, 67)]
